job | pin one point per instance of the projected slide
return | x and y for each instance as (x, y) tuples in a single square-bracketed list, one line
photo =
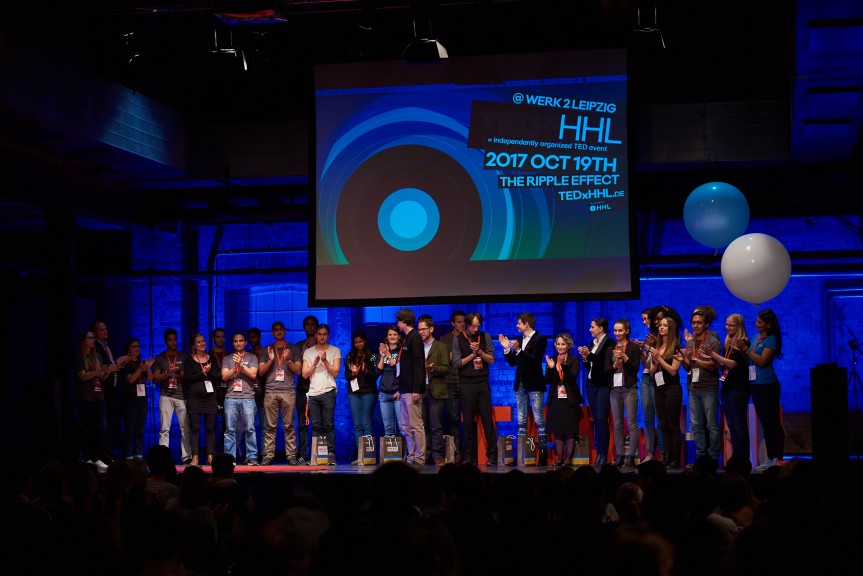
[(486, 178)]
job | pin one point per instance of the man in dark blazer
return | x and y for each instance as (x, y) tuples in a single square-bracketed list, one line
[(437, 365), (527, 353)]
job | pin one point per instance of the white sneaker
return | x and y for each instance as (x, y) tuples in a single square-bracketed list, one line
[(101, 466), (765, 465)]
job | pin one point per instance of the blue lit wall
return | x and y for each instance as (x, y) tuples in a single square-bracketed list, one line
[(243, 276)]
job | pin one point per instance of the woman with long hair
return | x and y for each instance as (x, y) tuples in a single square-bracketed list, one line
[(201, 398), (597, 388), (133, 380), (91, 402), (362, 386), (388, 359), (664, 367), (734, 381), (621, 368), (765, 384)]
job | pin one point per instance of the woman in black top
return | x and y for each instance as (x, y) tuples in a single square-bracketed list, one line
[(664, 368), (361, 376), (201, 397), (389, 396), (622, 362), (593, 357), (734, 385), (564, 399), (133, 381)]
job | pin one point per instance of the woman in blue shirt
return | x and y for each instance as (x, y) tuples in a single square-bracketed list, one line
[(765, 384)]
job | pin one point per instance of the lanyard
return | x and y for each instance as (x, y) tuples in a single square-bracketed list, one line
[(281, 355), (561, 360)]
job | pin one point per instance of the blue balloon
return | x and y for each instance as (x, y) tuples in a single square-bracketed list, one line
[(715, 214)]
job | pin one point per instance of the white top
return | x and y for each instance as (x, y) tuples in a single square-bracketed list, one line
[(321, 381)]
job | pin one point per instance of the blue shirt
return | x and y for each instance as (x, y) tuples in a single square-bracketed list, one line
[(765, 375)]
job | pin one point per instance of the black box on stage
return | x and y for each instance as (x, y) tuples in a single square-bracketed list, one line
[(829, 414)]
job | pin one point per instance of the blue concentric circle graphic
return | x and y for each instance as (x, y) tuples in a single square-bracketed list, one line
[(408, 219)]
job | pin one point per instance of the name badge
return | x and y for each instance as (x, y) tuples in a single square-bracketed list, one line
[(752, 373), (561, 391), (696, 373), (140, 390), (477, 363), (280, 375), (355, 386), (238, 385), (618, 379), (172, 383), (97, 385), (208, 386), (659, 378)]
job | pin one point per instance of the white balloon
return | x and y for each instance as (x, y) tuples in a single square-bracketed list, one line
[(756, 267)]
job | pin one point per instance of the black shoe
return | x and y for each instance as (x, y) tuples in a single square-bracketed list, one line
[(543, 458), (600, 460), (266, 461), (619, 462), (252, 462), (301, 460), (292, 461), (629, 462), (491, 463)]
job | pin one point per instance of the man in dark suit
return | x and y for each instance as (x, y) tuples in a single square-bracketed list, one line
[(527, 353)]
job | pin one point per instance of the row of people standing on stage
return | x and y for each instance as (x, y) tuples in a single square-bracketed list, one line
[(417, 379), (718, 375)]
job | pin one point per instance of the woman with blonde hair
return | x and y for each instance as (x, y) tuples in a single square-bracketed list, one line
[(734, 381), (564, 398), (91, 402)]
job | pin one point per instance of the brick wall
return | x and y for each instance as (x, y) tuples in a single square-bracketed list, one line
[(240, 276)]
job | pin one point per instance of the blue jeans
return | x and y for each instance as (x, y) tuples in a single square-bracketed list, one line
[(704, 420), (648, 407), (600, 406), (362, 406), (243, 410), (735, 406), (389, 413), (322, 414), (534, 399), (624, 405)]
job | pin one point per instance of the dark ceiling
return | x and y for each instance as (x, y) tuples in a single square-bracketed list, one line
[(766, 95)]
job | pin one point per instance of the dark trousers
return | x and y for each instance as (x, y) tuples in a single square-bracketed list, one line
[(598, 397), (433, 420), (94, 423), (322, 413), (113, 413), (476, 398), (453, 411), (765, 398), (669, 399), (301, 427), (134, 422), (735, 407)]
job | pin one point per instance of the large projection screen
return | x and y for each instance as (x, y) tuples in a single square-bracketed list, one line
[(490, 178)]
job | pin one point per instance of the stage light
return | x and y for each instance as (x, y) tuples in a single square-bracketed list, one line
[(424, 47)]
